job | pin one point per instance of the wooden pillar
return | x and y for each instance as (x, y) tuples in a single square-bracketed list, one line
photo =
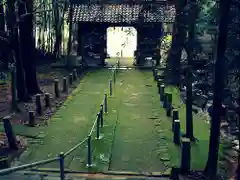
[(70, 30), (103, 39), (80, 40)]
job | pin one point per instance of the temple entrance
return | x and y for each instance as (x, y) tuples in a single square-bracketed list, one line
[(100, 44), (121, 44)]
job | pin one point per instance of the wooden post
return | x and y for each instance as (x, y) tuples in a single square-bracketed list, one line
[(70, 78), (38, 104), (98, 126), (105, 104), (110, 87), (176, 133), (174, 117), (159, 86), (186, 155), (165, 100), (9, 133), (56, 88), (101, 114), (65, 85), (31, 118), (169, 105), (162, 92), (155, 74), (75, 75), (89, 151), (47, 100), (61, 163)]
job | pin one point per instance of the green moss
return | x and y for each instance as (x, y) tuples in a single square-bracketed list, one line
[(72, 121), (137, 134)]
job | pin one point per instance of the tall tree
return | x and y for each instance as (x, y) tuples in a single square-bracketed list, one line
[(219, 76), (193, 10), (2, 20), (178, 40), (27, 47), (20, 35), (3, 56)]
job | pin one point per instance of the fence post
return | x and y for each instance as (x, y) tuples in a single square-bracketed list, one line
[(165, 100), (61, 160), (65, 85), (70, 77), (186, 155), (153, 71), (114, 76), (38, 104), (75, 75), (9, 133), (159, 87), (47, 100), (176, 133), (169, 105), (105, 103), (31, 118), (89, 159), (156, 74), (98, 126), (162, 88), (174, 117), (110, 86), (101, 114), (56, 88), (118, 64)]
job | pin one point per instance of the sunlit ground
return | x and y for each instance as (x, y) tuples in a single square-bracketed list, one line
[(121, 44)]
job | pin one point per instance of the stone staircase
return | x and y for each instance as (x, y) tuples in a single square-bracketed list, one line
[(29, 175)]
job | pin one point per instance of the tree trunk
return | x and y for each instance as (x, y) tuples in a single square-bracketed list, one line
[(2, 20), (70, 31), (57, 26), (3, 50), (28, 51), (211, 166), (174, 56), (238, 113), (21, 83), (190, 53), (11, 54)]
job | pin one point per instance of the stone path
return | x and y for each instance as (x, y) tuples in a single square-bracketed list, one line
[(139, 144)]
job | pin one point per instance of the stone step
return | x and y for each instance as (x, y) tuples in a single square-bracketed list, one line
[(33, 175)]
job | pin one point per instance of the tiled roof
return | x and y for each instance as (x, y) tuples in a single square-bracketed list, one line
[(120, 13)]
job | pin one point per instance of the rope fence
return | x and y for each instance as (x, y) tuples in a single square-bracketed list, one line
[(98, 124)]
